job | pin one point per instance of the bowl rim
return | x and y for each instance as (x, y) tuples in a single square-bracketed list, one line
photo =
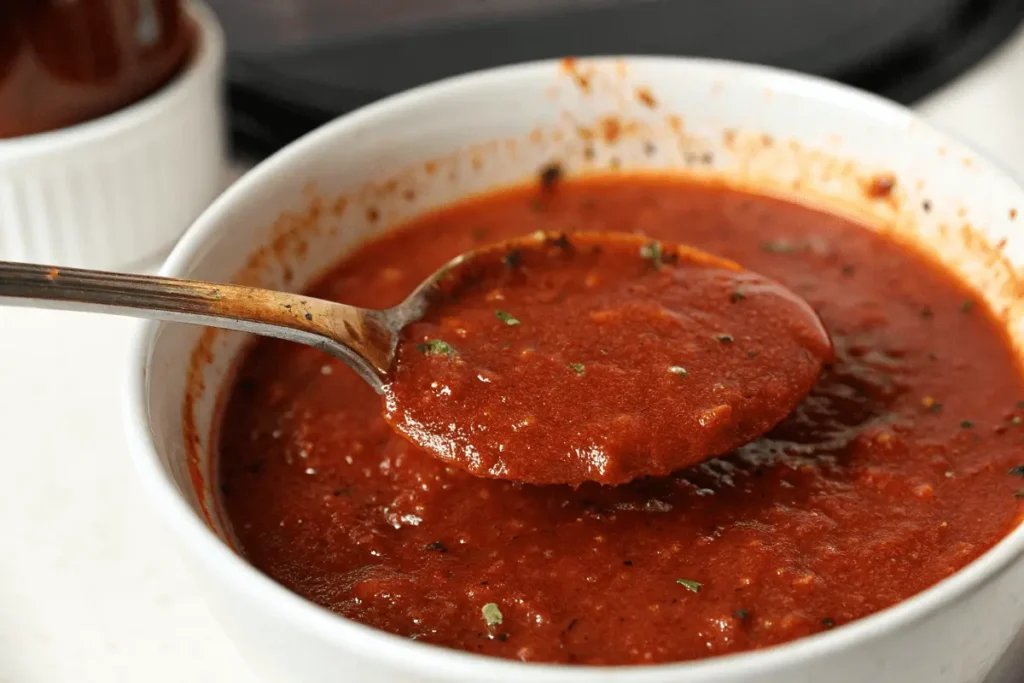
[(205, 62), (412, 656)]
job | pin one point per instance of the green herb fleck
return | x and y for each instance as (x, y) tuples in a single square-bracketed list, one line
[(652, 252), (436, 546), (436, 347), (1016, 420), (967, 424), (578, 368), (690, 585), (737, 296), (1019, 494), (1017, 471), (513, 258), (966, 306), (678, 370), (741, 614), (931, 405), (1020, 405), (778, 247), (505, 345), (828, 622), (724, 338), (506, 318), (751, 355), (492, 615)]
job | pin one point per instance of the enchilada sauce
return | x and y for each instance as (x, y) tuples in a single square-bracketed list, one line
[(903, 464), (566, 358)]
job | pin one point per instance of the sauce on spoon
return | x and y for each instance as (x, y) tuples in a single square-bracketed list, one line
[(562, 359)]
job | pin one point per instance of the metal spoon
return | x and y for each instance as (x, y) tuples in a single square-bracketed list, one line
[(364, 339)]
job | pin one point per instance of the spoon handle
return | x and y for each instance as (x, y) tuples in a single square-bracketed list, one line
[(361, 337)]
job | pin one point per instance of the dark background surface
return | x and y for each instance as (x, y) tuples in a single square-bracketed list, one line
[(294, 64)]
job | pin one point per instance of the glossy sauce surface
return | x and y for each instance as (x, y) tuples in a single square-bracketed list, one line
[(896, 471), (567, 358)]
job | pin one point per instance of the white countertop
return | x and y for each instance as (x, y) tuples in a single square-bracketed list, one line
[(91, 590)]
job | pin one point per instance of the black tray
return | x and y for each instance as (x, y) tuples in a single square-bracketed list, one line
[(288, 75)]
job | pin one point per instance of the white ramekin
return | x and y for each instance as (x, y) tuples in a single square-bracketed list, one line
[(295, 214), (118, 191)]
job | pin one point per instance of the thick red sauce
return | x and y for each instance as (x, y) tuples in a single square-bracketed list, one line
[(566, 358), (898, 470)]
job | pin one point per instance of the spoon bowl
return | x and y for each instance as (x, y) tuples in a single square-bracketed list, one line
[(572, 358)]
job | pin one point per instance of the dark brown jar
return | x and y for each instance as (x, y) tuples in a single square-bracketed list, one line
[(67, 61)]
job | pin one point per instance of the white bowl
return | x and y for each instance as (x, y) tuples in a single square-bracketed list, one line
[(299, 212)]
